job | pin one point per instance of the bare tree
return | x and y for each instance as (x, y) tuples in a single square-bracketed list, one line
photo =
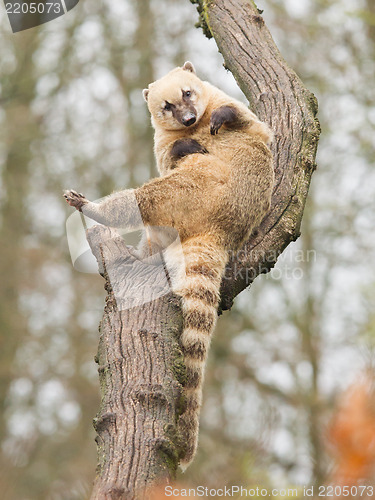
[(140, 362), (20, 130)]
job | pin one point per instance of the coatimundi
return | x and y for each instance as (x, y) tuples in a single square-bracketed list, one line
[(216, 186)]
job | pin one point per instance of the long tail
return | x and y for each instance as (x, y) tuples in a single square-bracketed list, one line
[(205, 262)]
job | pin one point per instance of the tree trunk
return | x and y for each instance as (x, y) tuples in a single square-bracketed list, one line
[(20, 130), (140, 362), (141, 371)]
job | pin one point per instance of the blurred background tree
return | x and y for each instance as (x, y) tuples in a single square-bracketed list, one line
[(72, 115)]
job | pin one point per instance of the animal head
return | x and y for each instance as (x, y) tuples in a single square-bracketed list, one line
[(178, 100)]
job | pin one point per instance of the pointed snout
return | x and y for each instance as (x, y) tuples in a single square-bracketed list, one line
[(189, 119)]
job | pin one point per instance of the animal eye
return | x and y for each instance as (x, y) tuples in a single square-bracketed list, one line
[(167, 106), (187, 93)]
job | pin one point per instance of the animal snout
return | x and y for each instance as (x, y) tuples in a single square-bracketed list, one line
[(189, 119)]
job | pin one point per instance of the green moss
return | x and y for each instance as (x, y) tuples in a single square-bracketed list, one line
[(169, 452), (203, 11), (179, 368), (312, 102)]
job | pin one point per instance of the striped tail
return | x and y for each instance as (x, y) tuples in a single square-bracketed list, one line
[(205, 262)]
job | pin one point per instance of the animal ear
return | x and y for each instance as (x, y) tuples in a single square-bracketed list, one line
[(188, 66), (145, 94)]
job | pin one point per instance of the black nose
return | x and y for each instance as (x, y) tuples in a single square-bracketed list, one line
[(188, 119)]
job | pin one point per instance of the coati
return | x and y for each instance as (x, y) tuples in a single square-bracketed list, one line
[(215, 188), (188, 113)]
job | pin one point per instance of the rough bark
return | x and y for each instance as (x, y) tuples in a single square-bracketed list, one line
[(141, 370), (140, 364)]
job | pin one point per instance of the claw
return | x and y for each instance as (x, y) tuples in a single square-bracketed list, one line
[(75, 199), (214, 129)]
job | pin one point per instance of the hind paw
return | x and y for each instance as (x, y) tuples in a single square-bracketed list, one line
[(74, 199)]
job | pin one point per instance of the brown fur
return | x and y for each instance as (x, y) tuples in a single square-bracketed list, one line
[(206, 99), (213, 200)]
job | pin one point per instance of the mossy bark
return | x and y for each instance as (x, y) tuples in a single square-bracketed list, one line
[(141, 374), (140, 362)]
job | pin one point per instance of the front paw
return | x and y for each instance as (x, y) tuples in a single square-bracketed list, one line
[(185, 147), (75, 199), (224, 114)]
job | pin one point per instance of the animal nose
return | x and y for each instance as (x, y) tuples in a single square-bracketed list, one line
[(188, 119)]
